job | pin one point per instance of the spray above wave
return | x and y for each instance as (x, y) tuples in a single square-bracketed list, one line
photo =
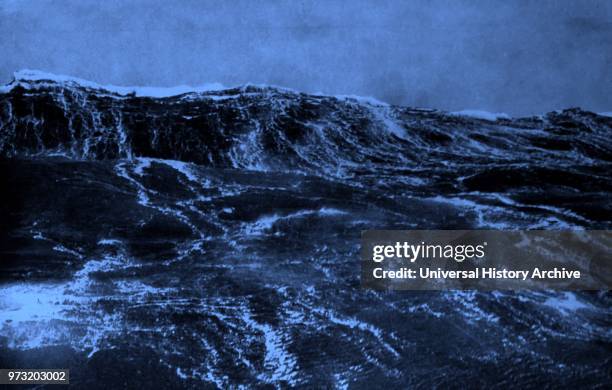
[(28, 78)]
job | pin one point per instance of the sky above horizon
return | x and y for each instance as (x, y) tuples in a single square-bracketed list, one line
[(521, 57)]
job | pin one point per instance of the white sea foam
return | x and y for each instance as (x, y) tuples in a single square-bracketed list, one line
[(479, 114), (182, 167), (361, 99), (29, 302), (34, 314), (27, 75), (278, 362), (354, 323), (567, 303), (266, 222), (109, 241)]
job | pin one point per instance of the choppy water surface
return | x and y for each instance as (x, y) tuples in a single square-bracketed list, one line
[(212, 239)]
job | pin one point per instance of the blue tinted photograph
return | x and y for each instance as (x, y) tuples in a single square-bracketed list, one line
[(184, 188)]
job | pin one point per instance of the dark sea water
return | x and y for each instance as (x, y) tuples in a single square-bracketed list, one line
[(211, 239)]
